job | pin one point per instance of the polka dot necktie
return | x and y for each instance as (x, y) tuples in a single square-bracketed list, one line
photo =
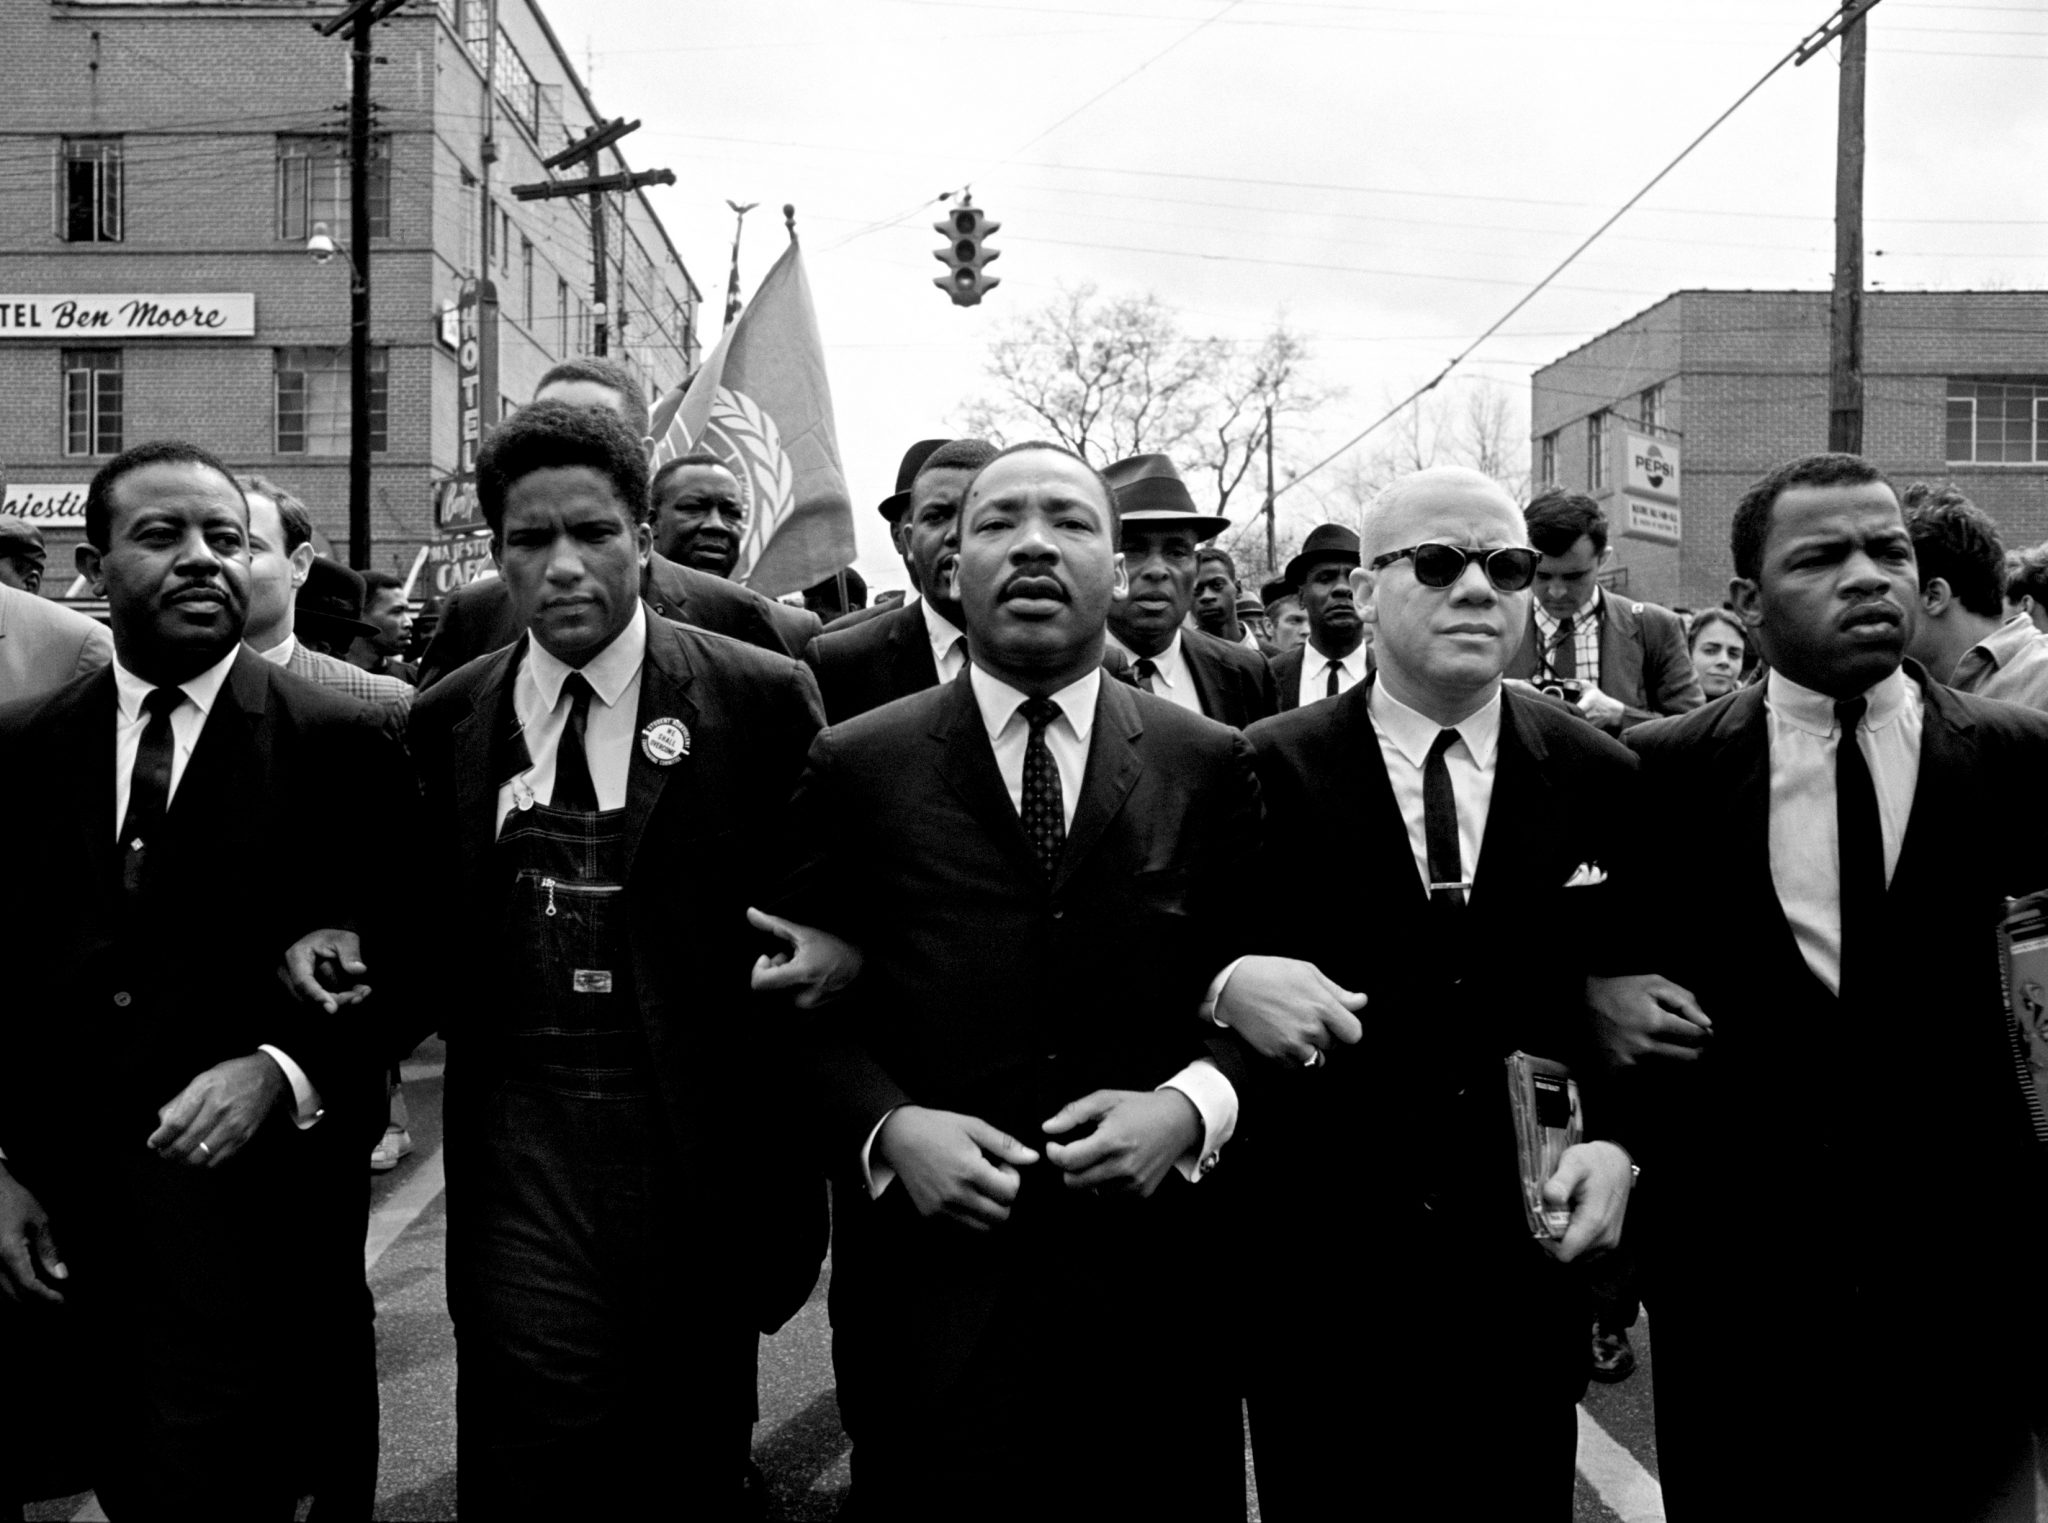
[(1045, 819)]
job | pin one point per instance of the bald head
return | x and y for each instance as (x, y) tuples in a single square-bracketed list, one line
[(1418, 499)]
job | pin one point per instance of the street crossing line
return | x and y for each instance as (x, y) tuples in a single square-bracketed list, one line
[(1617, 1475), (403, 1207)]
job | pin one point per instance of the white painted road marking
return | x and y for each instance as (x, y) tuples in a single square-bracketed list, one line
[(1617, 1476), (403, 1207)]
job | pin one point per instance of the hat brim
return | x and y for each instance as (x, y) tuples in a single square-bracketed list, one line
[(893, 506), (1297, 569), (1206, 526)]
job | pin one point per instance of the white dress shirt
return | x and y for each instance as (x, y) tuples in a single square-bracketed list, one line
[(949, 645), (188, 719), (1173, 682), (1212, 1095), (280, 654), (1804, 839), (537, 698), (1315, 673), (1405, 739), (1250, 642)]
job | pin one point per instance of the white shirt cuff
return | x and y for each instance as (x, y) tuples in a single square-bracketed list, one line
[(877, 1175), (1215, 1099), (1215, 993), (306, 1107)]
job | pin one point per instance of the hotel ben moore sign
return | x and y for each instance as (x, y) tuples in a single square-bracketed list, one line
[(128, 314)]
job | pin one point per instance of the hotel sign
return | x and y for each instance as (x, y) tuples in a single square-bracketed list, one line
[(128, 314)]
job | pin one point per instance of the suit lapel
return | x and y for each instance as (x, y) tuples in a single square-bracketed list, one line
[(665, 679), (1512, 860), (910, 652), (1621, 651), (1206, 678), (1376, 821), (489, 750), (1112, 772), (225, 759), (967, 761), (83, 750), (1741, 768), (1948, 754)]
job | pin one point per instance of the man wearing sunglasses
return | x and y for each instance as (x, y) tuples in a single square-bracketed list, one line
[(1460, 828), (1618, 662)]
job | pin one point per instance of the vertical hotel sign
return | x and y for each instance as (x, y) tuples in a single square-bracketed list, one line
[(1648, 472), (476, 372)]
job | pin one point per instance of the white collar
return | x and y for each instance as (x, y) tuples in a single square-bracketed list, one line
[(1413, 733), (608, 672), (1314, 661), (999, 701), (1804, 709), (280, 654), (130, 690), (939, 630), (1168, 661)]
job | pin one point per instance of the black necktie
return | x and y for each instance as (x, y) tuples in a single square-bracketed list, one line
[(149, 785), (1330, 689), (573, 788), (1440, 829), (1564, 651), (1045, 819), (1860, 842), (1145, 671)]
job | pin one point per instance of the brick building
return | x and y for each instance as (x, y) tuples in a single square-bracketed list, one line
[(1955, 389), (162, 166)]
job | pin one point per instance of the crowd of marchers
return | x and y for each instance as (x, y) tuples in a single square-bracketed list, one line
[(1119, 972)]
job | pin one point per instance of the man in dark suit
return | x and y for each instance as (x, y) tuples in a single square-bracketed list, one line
[(895, 509), (863, 666), (625, 1212), (192, 1140), (1335, 657), (1450, 822), (478, 619), (1042, 869), (1848, 1161), (1628, 659), (1162, 535)]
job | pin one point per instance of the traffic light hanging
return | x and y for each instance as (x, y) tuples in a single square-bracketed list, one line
[(965, 255)]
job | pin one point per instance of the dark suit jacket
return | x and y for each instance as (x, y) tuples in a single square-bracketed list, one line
[(989, 992), (1234, 684), (1287, 675), (1643, 660), (1906, 1182), (477, 619), (170, 1262), (695, 860)]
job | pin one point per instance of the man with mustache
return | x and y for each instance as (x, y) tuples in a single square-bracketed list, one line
[(183, 1144), (1162, 535), (1449, 817), (1332, 660), (1043, 871), (864, 665), (1851, 1161)]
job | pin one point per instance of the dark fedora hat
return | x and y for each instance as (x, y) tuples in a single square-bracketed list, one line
[(1325, 542), (330, 604), (1149, 492), (1277, 589), (21, 539), (892, 506)]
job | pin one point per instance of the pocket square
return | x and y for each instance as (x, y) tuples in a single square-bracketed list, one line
[(1588, 874)]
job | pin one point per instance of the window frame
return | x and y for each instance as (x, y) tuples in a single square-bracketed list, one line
[(109, 194), (1546, 459), (1596, 450), (78, 362), (336, 162), (380, 400), (1650, 407), (1974, 393)]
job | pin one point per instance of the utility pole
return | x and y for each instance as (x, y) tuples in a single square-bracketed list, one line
[(359, 19), (584, 152), (1845, 306), (1272, 534)]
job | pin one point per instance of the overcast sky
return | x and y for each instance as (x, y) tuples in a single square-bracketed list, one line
[(1391, 176)]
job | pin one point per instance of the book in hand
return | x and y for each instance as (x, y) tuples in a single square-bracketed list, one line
[(2023, 962), (1548, 1119)]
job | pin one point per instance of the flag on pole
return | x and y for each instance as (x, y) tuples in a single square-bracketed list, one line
[(762, 405)]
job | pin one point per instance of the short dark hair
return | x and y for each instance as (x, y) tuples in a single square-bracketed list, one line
[(1212, 553), (291, 513), (99, 496), (958, 455), (1710, 616), (1955, 540), (605, 372), (1752, 523), (2026, 574), (552, 436), (375, 582), (1102, 481), (695, 457), (1558, 519)]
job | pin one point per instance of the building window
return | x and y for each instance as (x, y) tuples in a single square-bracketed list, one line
[(1650, 408), (516, 86), (504, 243), (312, 401), (1998, 423), (312, 186), (1596, 451), (526, 281), (89, 190), (562, 348), (1546, 460), (92, 401)]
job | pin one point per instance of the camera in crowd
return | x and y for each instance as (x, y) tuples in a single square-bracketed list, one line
[(1567, 688)]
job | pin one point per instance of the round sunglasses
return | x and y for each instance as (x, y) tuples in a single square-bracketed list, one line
[(1510, 568)]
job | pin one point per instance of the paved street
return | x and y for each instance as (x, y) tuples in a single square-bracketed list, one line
[(798, 1443)]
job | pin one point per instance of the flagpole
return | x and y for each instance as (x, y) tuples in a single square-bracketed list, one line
[(732, 285), (789, 219)]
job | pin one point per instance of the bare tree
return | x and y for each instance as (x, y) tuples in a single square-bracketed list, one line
[(1474, 426)]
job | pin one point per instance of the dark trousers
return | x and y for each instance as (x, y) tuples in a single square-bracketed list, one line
[(603, 1357)]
